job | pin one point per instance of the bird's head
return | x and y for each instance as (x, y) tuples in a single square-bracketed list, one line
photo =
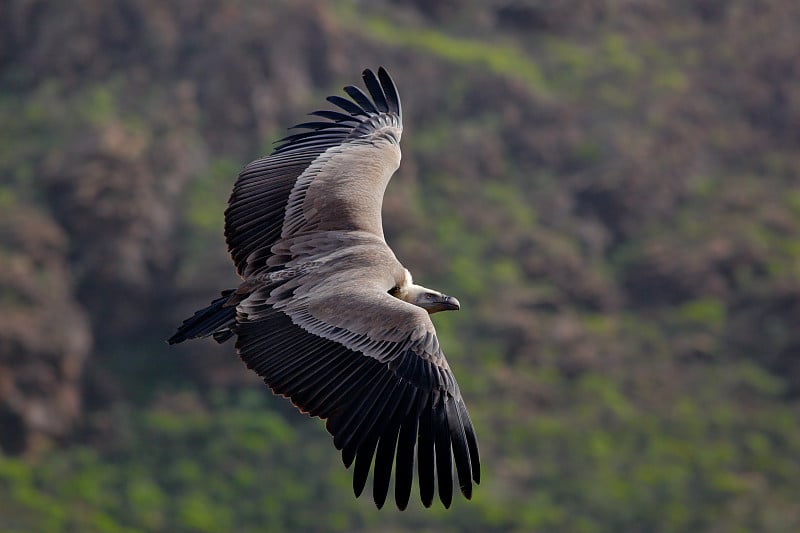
[(430, 300)]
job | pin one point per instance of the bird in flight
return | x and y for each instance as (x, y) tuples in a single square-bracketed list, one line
[(328, 316)]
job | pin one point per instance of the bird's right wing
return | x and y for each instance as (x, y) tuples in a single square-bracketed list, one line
[(371, 365), (366, 134)]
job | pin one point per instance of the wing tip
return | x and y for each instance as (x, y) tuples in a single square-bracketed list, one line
[(383, 99), (390, 90)]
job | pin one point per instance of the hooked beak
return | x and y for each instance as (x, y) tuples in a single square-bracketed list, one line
[(449, 303), (442, 303)]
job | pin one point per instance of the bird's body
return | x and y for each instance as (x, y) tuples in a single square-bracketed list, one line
[(326, 313)]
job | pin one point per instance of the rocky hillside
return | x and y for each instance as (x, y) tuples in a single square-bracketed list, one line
[(610, 188)]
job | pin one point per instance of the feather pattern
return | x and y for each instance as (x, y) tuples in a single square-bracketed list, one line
[(376, 411), (315, 316), (275, 175)]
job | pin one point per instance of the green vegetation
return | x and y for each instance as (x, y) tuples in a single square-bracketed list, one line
[(611, 193), (610, 464), (504, 59)]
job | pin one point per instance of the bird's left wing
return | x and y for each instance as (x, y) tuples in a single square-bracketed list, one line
[(371, 365), (348, 139)]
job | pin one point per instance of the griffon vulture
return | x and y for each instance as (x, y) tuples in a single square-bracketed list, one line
[(328, 316)]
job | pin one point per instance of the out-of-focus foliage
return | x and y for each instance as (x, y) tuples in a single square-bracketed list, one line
[(610, 188)]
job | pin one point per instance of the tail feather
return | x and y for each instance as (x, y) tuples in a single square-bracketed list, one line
[(216, 320)]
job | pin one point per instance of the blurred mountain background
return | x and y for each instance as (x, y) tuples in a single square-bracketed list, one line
[(610, 187)]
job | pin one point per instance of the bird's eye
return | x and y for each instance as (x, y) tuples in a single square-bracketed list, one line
[(430, 295)]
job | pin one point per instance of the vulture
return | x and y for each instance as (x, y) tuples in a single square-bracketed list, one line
[(328, 316)]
